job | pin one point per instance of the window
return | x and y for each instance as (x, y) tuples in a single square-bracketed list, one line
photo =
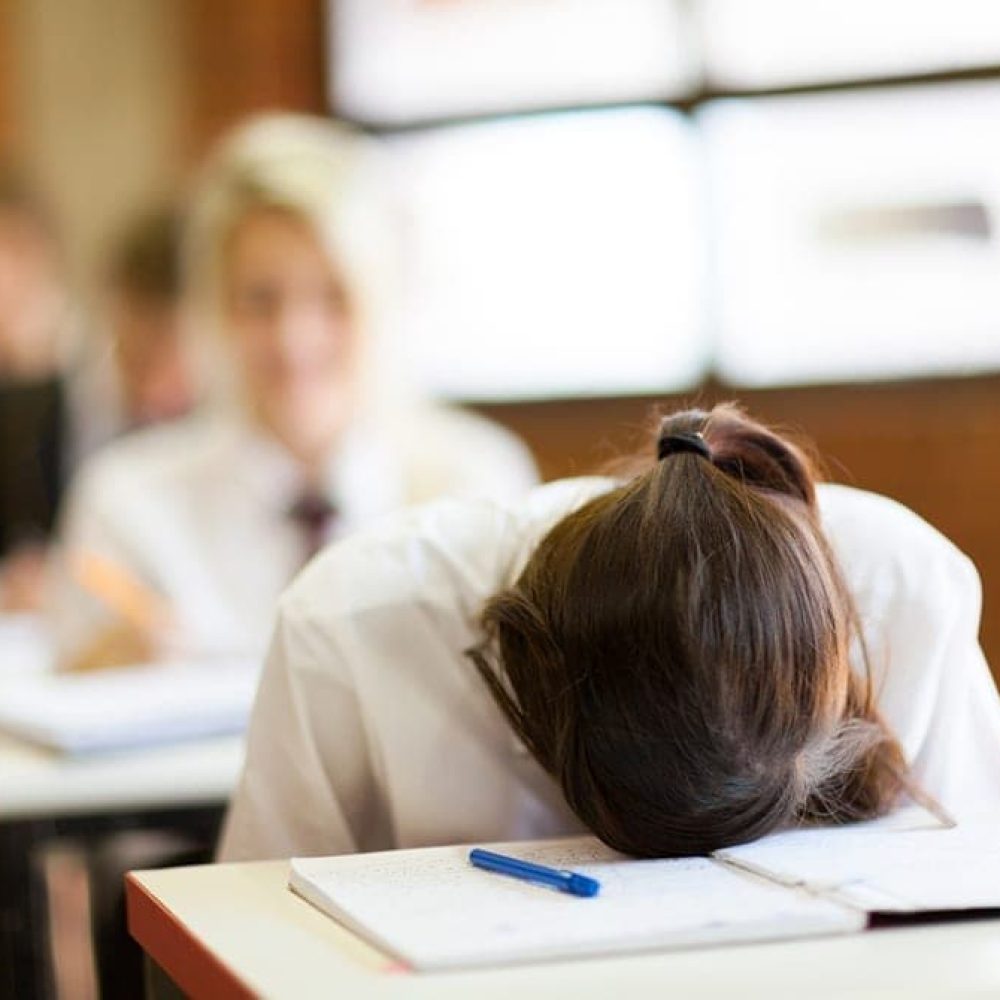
[(556, 255), (833, 233), (758, 44), (401, 61), (856, 233)]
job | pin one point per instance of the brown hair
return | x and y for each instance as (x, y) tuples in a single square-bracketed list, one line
[(675, 652), (146, 261), (18, 195)]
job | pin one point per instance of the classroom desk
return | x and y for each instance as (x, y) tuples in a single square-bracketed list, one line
[(36, 783), (235, 931), (45, 797)]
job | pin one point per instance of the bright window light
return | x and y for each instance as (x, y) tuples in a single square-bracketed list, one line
[(556, 255), (775, 43), (400, 61), (857, 234)]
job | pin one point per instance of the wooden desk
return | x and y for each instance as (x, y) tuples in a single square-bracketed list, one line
[(235, 931), (45, 797)]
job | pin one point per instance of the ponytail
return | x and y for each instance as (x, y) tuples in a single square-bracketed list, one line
[(676, 652)]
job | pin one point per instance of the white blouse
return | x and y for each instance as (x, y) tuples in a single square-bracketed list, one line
[(198, 511), (373, 730)]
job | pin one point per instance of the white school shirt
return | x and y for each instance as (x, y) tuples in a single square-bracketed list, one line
[(373, 730), (199, 511)]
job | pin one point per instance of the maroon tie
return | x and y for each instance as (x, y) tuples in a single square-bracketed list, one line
[(313, 514)]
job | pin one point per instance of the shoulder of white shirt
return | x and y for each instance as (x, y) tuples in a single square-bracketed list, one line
[(875, 534), (458, 551), (463, 440), (452, 551), (453, 421), (143, 457)]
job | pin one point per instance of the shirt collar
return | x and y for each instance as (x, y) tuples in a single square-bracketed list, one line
[(362, 477)]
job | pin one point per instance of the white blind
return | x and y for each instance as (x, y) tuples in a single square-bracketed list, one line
[(855, 235), (398, 61), (776, 43), (559, 255)]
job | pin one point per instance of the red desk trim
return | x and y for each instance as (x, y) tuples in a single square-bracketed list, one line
[(195, 969)]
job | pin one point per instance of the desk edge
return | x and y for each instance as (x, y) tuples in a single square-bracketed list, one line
[(165, 939)]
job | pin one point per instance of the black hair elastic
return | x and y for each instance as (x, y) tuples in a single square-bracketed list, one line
[(691, 441)]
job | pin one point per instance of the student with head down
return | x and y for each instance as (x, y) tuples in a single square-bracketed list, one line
[(687, 658)]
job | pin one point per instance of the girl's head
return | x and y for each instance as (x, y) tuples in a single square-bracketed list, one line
[(676, 651), (143, 309), (286, 257)]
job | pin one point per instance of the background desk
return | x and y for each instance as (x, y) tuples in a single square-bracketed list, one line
[(226, 931), (46, 797)]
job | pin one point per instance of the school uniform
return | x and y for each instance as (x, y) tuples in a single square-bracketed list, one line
[(214, 516), (372, 728)]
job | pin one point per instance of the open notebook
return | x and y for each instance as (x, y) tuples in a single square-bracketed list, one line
[(130, 706), (432, 910)]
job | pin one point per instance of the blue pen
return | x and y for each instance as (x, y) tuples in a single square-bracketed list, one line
[(571, 882)]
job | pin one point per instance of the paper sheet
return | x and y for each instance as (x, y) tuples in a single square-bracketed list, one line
[(432, 909), (887, 866)]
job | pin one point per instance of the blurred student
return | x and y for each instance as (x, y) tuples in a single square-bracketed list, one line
[(140, 371), (34, 321), (155, 370), (180, 539)]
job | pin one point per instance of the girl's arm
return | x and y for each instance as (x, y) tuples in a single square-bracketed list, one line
[(919, 601), (307, 786)]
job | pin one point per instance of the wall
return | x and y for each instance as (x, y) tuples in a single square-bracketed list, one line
[(108, 103), (8, 124), (249, 55), (98, 91)]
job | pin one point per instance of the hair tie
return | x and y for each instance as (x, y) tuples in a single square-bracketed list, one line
[(690, 441)]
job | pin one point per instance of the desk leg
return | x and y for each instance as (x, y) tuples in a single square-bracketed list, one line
[(159, 986), (24, 946), (23, 959)]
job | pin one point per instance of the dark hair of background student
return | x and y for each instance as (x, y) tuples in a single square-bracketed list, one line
[(676, 652), (146, 261)]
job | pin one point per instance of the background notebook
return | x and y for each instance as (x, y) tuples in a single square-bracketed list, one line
[(432, 910), (130, 706)]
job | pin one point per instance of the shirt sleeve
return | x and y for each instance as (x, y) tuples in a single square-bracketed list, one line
[(919, 601), (951, 730), (500, 468), (458, 454), (94, 520), (307, 786)]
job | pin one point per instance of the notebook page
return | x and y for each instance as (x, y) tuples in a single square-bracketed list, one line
[(907, 869), (433, 910), (130, 706)]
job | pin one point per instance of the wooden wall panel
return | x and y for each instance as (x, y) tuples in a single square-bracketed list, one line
[(98, 87), (8, 123), (251, 55), (935, 446)]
